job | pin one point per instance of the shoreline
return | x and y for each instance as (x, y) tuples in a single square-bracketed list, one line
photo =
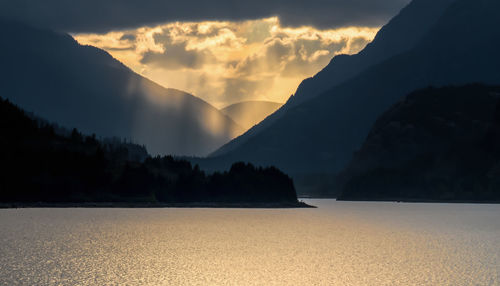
[(417, 201), (285, 205)]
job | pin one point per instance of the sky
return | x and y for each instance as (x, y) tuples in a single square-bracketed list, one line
[(225, 62), (77, 16), (223, 51)]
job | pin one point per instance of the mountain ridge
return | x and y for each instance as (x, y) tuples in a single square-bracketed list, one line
[(249, 113), (343, 67), (85, 87), (348, 110)]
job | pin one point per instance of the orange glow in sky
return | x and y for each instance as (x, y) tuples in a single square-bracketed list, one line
[(228, 62)]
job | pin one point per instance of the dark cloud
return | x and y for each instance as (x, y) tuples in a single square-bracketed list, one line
[(277, 51), (101, 16), (128, 37)]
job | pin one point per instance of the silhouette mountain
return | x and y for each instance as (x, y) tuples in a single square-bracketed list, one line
[(53, 76), (321, 134), (248, 113), (436, 144), (39, 165), (399, 35)]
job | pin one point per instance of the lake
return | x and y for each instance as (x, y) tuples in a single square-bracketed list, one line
[(339, 243)]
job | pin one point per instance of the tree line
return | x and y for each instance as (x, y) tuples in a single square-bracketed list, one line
[(38, 164)]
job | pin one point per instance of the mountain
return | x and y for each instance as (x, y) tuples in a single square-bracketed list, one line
[(436, 144), (398, 36), (39, 165), (248, 113), (321, 134), (53, 76)]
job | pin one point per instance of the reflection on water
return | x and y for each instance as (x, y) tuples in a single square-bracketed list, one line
[(339, 243)]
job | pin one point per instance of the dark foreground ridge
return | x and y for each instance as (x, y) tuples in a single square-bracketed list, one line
[(41, 167), (437, 145)]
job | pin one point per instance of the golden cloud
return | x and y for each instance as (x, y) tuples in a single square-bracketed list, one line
[(226, 62)]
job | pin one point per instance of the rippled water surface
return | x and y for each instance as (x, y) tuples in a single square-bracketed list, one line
[(339, 243)]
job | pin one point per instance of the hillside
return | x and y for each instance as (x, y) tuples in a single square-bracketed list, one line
[(437, 144), (38, 165), (53, 76), (249, 113), (320, 135), (399, 35)]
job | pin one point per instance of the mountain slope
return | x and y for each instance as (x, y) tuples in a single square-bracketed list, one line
[(437, 144), (53, 76), (398, 36), (248, 113), (321, 134), (39, 165)]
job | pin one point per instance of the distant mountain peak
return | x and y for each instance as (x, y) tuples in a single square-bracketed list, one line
[(249, 113)]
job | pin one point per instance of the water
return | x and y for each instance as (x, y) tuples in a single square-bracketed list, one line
[(340, 243)]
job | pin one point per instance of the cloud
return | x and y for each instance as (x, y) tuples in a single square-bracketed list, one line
[(103, 16), (268, 60), (224, 62), (176, 55), (128, 37)]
